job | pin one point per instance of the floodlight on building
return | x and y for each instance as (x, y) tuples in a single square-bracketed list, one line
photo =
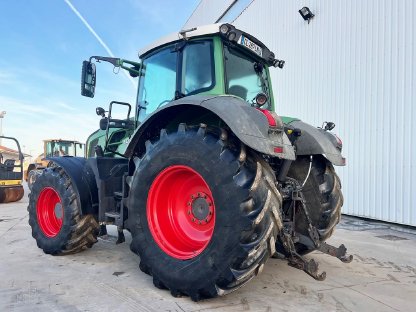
[(306, 14)]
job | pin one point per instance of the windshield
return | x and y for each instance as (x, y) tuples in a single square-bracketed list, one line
[(245, 77)]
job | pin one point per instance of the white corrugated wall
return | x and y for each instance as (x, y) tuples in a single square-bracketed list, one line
[(354, 64), (208, 12)]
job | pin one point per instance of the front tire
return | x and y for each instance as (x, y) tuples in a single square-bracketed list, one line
[(55, 215), (203, 215)]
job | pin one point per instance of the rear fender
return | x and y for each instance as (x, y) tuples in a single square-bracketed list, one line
[(83, 180), (247, 123), (314, 141)]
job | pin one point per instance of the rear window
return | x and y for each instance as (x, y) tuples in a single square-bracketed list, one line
[(197, 67), (242, 80)]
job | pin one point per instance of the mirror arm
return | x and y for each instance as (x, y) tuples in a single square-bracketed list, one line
[(117, 62), (131, 63), (132, 70), (113, 60)]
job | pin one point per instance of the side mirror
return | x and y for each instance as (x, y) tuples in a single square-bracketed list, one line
[(88, 79)]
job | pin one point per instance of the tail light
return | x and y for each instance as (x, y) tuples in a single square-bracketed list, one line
[(272, 118)]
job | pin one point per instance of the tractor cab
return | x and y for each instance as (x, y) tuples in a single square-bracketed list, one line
[(227, 62), (212, 60), (208, 60)]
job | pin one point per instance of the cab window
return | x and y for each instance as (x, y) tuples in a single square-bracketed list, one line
[(158, 84), (197, 67), (242, 78)]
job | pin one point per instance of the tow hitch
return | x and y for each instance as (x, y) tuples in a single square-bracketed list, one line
[(293, 191)]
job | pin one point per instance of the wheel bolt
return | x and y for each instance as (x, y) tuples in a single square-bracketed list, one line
[(193, 219), (189, 212)]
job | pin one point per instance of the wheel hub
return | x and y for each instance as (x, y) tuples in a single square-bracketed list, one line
[(201, 208), (58, 210)]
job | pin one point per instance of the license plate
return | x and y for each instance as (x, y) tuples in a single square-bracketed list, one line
[(250, 45)]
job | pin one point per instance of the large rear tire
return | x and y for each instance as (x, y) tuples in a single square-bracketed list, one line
[(323, 198), (203, 215), (55, 215)]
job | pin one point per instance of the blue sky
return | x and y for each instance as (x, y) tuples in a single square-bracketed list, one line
[(43, 44)]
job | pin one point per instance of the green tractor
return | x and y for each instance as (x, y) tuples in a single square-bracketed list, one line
[(206, 177)]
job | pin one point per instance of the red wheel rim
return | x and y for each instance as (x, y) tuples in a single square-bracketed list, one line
[(50, 212), (181, 212)]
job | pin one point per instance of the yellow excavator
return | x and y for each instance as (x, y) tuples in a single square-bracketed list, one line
[(11, 172)]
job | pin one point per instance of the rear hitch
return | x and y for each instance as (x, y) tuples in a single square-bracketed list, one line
[(288, 238), (310, 267), (340, 252), (297, 261)]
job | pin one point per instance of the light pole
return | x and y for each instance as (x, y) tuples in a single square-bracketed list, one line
[(1, 123)]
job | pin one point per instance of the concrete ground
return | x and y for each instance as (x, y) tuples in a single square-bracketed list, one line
[(382, 276)]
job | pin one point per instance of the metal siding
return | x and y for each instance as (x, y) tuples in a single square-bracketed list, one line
[(234, 11), (207, 12), (354, 65)]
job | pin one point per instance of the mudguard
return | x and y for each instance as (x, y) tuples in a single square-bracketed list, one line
[(247, 123), (83, 179), (314, 141)]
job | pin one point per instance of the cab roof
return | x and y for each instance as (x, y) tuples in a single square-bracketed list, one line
[(189, 33), (228, 32)]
